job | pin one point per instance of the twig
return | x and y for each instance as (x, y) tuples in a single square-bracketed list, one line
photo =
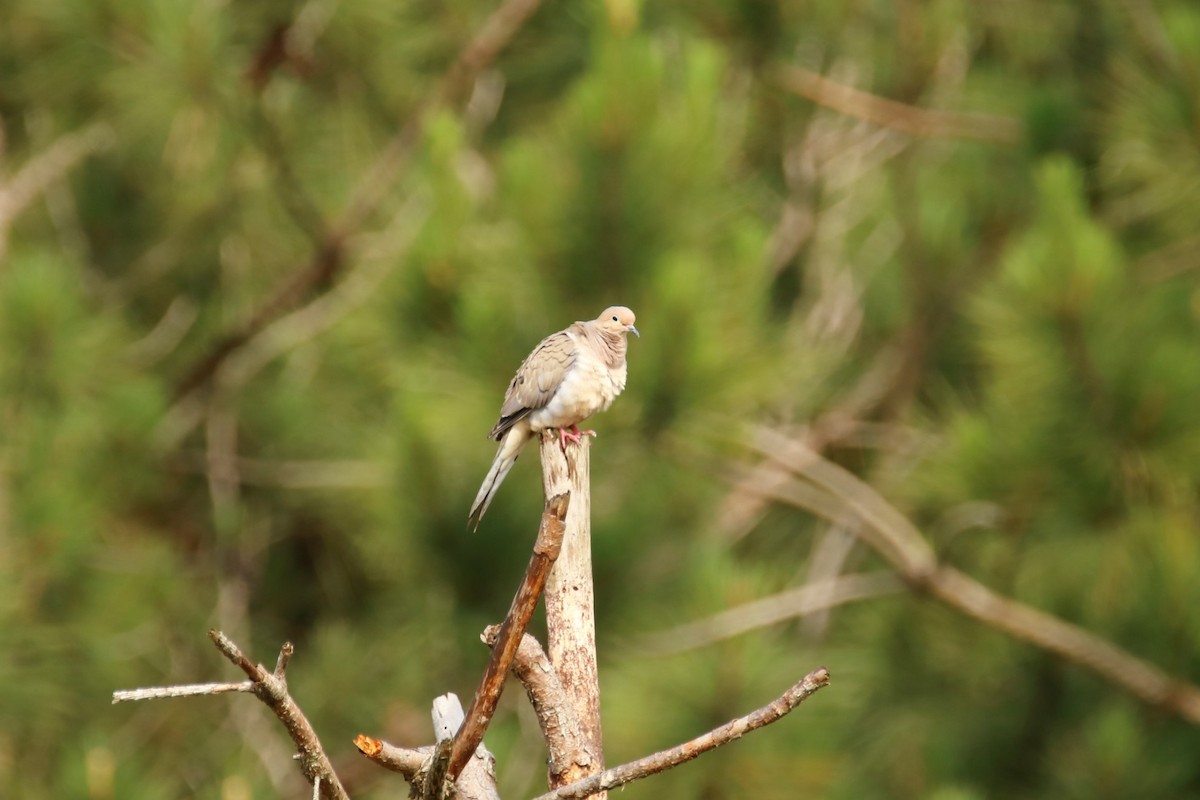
[(837, 492), (271, 688), (37, 175), (407, 761), (187, 690), (565, 742), (734, 729), (1066, 641), (797, 602), (912, 120), (570, 604), (896, 538), (545, 552)]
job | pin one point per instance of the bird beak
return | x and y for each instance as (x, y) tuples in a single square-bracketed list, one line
[(633, 330)]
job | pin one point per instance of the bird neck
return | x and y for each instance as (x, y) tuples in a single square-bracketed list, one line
[(614, 344)]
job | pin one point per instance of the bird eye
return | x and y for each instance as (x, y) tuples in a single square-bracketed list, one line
[(615, 318)]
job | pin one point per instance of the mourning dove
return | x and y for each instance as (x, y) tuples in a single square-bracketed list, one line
[(568, 377)]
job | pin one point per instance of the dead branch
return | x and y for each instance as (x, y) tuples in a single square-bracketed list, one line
[(734, 729), (570, 604), (186, 690), (824, 488), (798, 602), (545, 552), (271, 688), (912, 120), (35, 177), (565, 743), (408, 761)]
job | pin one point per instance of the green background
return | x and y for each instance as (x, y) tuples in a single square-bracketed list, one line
[(1005, 299)]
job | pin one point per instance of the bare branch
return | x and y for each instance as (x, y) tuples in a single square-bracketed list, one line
[(897, 538), (1067, 641), (912, 120), (545, 552), (772, 610), (186, 690), (407, 761), (166, 335), (734, 729), (235, 655), (837, 492), (36, 176), (285, 654), (565, 742), (271, 688)]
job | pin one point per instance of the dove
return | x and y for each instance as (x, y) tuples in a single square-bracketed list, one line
[(568, 377)]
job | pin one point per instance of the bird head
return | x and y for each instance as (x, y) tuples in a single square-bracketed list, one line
[(617, 319)]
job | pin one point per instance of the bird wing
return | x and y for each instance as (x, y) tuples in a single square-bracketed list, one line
[(538, 378)]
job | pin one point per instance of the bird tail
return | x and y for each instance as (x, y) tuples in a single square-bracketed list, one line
[(506, 456)]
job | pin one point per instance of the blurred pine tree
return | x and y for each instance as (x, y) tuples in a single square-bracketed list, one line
[(1020, 314)]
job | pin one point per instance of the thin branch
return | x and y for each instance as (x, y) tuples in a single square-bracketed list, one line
[(166, 334), (271, 688), (897, 540), (40, 172), (798, 602), (897, 116), (405, 760), (1172, 260), (734, 729), (1067, 641), (186, 690), (545, 552)]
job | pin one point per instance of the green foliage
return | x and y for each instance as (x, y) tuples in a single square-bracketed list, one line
[(1024, 310)]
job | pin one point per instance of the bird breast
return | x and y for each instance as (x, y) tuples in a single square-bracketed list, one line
[(588, 388)]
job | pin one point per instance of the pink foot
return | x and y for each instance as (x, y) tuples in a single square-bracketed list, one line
[(572, 434)]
